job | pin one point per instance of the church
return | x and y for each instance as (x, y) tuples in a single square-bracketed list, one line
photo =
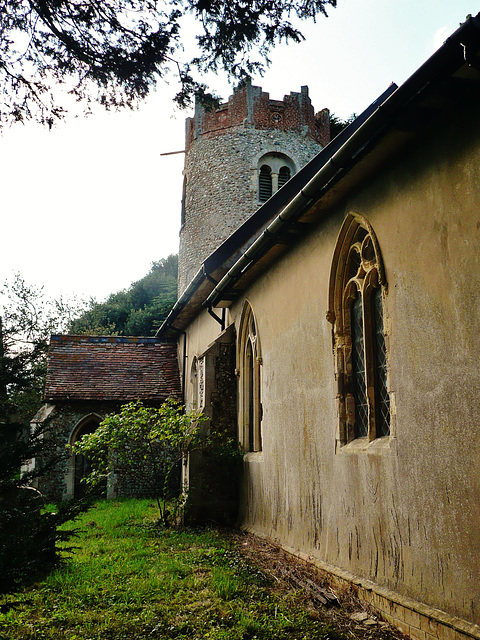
[(328, 317)]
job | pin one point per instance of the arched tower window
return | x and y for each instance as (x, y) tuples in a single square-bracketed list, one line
[(264, 183), (249, 366), (283, 175), (274, 170), (357, 290)]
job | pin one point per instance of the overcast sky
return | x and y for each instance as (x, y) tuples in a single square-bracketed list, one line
[(87, 207)]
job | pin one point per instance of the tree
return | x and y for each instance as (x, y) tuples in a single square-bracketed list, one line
[(145, 444), (27, 318), (136, 311), (30, 534), (114, 52), (337, 124)]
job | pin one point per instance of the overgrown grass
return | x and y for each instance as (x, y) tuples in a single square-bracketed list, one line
[(131, 580)]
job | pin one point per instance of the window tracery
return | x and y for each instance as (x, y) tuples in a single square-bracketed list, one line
[(357, 289)]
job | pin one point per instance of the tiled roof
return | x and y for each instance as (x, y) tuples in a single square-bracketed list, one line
[(111, 368)]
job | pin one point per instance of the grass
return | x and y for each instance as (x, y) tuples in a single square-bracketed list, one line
[(130, 580)]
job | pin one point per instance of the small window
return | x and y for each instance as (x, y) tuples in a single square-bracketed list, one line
[(274, 170), (265, 183), (249, 361), (283, 176), (357, 289)]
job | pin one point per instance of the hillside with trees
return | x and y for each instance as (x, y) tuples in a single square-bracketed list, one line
[(136, 311)]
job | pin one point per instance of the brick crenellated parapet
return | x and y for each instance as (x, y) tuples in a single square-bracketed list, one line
[(223, 149), (250, 106)]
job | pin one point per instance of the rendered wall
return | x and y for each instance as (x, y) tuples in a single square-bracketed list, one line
[(404, 511)]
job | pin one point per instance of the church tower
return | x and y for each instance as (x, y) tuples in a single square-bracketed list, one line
[(236, 157)]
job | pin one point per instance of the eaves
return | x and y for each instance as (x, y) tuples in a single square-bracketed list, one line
[(395, 120)]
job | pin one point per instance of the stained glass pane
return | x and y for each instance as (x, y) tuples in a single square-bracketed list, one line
[(354, 264), (358, 369), (382, 399)]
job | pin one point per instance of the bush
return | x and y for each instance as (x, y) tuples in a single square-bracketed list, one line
[(29, 534)]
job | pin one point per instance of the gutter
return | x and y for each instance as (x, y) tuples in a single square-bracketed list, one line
[(343, 159), (345, 150)]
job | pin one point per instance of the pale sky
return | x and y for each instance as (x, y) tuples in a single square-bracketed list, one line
[(87, 207)]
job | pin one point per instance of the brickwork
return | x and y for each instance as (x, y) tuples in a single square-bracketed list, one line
[(223, 148), (250, 106), (415, 619)]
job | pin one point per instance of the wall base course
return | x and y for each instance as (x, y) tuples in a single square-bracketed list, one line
[(415, 619)]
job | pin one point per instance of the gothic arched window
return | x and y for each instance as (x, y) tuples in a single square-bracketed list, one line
[(80, 465), (249, 367), (357, 289)]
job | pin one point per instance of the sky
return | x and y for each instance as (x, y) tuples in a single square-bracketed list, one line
[(88, 206)]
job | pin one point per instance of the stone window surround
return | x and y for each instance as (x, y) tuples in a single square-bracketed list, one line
[(249, 363), (275, 159), (357, 235)]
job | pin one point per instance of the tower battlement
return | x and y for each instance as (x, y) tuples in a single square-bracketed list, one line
[(236, 157), (250, 106)]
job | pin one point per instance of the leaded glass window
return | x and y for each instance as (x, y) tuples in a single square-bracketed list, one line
[(357, 289), (382, 399), (359, 377), (249, 366)]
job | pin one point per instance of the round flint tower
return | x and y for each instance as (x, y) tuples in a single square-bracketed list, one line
[(236, 156)]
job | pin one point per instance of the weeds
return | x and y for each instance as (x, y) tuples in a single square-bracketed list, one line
[(129, 580)]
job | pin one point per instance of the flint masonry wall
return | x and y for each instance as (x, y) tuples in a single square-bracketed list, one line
[(223, 148)]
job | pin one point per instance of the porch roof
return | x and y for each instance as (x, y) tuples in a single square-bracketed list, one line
[(111, 368)]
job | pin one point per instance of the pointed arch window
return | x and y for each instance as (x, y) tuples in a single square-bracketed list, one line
[(80, 465), (357, 290), (249, 367)]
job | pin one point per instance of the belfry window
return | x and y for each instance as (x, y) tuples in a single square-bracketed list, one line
[(264, 183), (249, 367), (357, 289), (283, 176), (274, 170)]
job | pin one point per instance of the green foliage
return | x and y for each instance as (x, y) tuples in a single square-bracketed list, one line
[(137, 311), (129, 579), (145, 443), (31, 540), (114, 52), (27, 319), (337, 125)]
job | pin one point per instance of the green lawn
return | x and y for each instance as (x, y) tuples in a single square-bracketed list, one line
[(129, 580)]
